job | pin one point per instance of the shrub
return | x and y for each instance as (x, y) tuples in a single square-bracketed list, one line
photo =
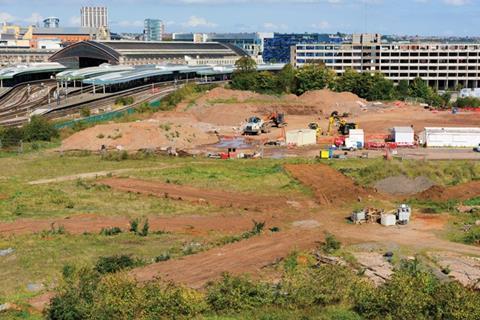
[(331, 244), (85, 112), (169, 301), (39, 129), (114, 263), (238, 293), (110, 231), (10, 137), (163, 257), (323, 286), (145, 228), (134, 225)]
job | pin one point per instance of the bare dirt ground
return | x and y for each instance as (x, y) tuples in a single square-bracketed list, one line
[(248, 256), (197, 195), (194, 124), (175, 132), (330, 186), (462, 191), (196, 225)]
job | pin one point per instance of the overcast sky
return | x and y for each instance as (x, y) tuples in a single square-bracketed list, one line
[(410, 17)]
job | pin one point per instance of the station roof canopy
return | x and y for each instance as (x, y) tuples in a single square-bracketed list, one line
[(32, 68), (146, 71), (85, 73), (112, 51)]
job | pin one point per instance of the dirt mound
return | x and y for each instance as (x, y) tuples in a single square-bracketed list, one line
[(463, 191), (329, 101), (177, 132), (202, 196), (330, 186), (402, 185)]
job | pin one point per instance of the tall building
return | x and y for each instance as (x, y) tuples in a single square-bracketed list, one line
[(51, 22), (277, 48), (442, 65), (94, 17), (153, 30)]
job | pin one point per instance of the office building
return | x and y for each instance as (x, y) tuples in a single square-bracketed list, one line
[(442, 65), (94, 17), (153, 30), (277, 48)]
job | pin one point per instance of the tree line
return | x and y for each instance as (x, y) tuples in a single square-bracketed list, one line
[(38, 129), (370, 86)]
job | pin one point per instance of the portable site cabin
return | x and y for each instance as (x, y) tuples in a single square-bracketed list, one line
[(301, 137), (356, 138), (403, 135), (450, 137)]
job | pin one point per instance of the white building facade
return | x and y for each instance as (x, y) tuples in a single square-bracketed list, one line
[(442, 65), (94, 17)]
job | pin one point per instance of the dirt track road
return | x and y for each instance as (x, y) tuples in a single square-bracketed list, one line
[(197, 195)]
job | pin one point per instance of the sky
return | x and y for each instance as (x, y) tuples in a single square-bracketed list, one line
[(401, 17)]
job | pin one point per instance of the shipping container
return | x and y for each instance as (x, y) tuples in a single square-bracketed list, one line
[(450, 137)]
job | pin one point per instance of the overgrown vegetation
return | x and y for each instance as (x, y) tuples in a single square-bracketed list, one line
[(412, 293), (367, 172), (370, 86), (38, 129), (124, 101)]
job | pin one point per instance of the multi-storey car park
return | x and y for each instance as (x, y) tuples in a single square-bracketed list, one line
[(443, 65)]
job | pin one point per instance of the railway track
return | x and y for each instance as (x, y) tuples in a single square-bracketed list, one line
[(141, 94)]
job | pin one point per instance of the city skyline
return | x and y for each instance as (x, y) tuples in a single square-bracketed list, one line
[(425, 17)]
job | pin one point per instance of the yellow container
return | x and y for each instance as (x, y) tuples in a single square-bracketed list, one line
[(324, 154)]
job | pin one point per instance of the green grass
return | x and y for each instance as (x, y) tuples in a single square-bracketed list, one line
[(367, 172), (39, 258), (261, 177)]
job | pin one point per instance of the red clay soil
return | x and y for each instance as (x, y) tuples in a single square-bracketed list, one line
[(207, 196), (228, 224), (248, 256), (462, 191), (330, 186)]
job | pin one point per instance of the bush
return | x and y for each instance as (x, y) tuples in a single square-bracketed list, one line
[(326, 285), (331, 244), (110, 231), (238, 293), (85, 112), (134, 225), (39, 129), (11, 137), (145, 228), (114, 264), (124, 101)]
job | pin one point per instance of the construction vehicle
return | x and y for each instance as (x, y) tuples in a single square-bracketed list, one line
[(344, 127), (316, 127), (255, 125)]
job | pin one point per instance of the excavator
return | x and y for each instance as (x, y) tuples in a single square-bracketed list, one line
[(344, 127), (255, 125)]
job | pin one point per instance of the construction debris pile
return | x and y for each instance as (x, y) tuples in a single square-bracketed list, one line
[(400, 216)]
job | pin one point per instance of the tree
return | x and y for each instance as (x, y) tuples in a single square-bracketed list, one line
[(348, 81), (245, 64), (244, 76), (381, 88), (314, 77), (10, 136), (402, 89), (420, 89), (266, 82), (39, 129), (286, 79)]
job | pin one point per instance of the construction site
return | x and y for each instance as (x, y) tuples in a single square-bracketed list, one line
[(376, 175), (232, 182)]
